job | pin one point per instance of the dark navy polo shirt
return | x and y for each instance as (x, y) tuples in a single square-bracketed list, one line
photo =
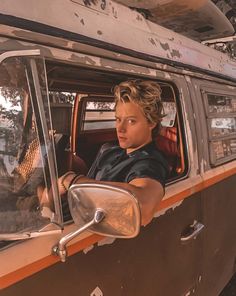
[(114, 164)]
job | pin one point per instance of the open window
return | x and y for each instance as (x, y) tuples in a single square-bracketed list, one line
[(93, 122)]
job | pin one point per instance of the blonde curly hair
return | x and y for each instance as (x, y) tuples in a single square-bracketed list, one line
[(147, 95)]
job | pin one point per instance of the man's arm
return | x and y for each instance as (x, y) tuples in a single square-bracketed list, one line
[(148, 192)]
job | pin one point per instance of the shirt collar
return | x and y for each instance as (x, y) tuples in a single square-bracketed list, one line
[(142, 150)]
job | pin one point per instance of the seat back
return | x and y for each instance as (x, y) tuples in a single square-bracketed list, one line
[(167, 142)]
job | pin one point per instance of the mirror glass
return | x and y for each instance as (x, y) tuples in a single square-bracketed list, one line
[(122, 213)]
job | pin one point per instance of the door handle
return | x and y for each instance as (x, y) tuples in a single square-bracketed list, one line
[(193, 231)]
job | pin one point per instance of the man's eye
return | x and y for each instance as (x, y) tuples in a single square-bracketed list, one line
[(131, 121)]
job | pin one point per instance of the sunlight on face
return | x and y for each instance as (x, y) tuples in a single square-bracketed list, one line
[(133, 129)]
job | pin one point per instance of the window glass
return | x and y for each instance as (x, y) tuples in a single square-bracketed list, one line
[(224, 148), (23, 150), (221, 103), (61, 104), (170, 111), (99, 115), (221, 116), (222, 126)]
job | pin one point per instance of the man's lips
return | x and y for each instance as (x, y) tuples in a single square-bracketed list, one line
[(122, 138)]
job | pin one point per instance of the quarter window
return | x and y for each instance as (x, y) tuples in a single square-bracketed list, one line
[(221, 119)]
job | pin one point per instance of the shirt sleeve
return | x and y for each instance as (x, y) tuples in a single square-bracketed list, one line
[(148, 168)]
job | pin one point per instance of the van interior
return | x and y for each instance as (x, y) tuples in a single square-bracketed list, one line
[(82, 108)]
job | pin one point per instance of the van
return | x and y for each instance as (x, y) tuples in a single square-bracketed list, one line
[(59, 62)]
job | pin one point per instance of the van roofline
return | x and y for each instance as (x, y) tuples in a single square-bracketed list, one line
[(144, 41)]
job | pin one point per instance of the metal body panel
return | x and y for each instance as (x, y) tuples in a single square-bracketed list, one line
[(145, 265), (118, 29), (199, 20), (155, 261), (219, 254)]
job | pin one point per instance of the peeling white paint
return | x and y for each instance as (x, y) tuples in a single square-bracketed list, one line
[(106, 241), (202, 165), (97, 292), (188, 79), (88, 249), (162, 212), (167, 75), (116, 19)]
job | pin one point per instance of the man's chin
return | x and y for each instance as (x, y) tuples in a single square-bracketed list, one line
[(123, 145)]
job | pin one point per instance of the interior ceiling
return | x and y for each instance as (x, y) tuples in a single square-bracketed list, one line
[(65, 78)]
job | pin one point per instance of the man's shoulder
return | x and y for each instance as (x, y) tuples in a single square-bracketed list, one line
[(107, 147), (152, 156), (109, 151)]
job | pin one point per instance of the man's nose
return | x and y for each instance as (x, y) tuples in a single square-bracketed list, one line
[(121, 126)]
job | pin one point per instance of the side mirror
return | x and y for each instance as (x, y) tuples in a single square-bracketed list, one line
[(103, 209)]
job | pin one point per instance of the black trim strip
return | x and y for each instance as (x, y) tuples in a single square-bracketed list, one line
[(33, 26)]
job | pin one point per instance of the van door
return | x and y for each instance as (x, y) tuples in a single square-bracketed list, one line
[(27, 161), (165, 258)]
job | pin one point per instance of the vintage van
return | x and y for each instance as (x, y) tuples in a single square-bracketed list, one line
[(59, 61)]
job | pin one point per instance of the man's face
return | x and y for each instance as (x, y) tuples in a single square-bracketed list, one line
[(133, 129)]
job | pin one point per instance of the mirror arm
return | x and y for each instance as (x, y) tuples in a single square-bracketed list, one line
[(60, 248)]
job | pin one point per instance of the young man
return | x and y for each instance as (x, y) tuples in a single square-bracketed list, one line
[(136, 164)]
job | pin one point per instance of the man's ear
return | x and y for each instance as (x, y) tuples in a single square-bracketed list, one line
[(152, 125)]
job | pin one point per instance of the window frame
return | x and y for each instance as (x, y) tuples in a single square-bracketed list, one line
[(35, 92), (182, 141)]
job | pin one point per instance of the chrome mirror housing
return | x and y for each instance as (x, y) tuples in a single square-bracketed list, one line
[(103, 209), (120, 208)]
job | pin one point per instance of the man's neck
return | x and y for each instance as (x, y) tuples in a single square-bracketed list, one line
[(130, 150)]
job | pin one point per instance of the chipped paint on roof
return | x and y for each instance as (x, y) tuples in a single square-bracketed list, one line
[(123, 31)]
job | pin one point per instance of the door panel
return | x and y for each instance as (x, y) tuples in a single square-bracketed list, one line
[(154, 263), (220, 235)]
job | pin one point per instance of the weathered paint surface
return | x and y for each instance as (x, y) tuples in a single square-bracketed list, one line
[(166, 47), (121, 30), (195, 19)]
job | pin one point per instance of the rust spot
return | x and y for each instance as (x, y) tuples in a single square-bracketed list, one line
[(139, 18), (99, 32), (175, 53), (165, 46), (128, 68), (114, 12), (82, 21), (152, 41), (90, 2)]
